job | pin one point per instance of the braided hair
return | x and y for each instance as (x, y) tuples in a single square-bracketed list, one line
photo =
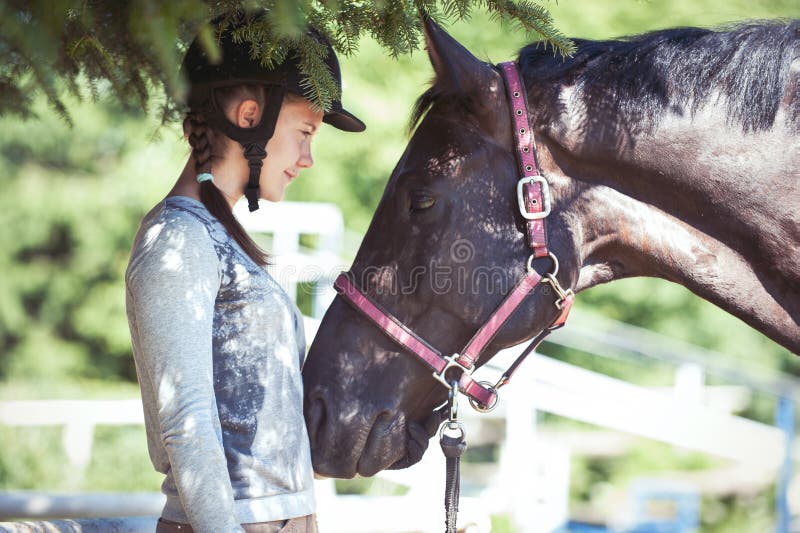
[(205, 143)]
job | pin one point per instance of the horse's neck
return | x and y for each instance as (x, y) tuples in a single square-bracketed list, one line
[(622, 237), (740, 188), (706, 206)]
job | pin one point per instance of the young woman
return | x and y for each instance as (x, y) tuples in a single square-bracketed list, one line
[(217, 343)]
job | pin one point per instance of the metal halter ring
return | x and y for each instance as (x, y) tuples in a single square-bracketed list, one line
[(452, 426), (452, 362), (552, 257), (478, 406)]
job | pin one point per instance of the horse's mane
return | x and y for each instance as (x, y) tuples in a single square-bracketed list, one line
[(639, 77), (635, 79)]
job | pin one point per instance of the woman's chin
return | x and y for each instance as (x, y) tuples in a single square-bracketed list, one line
[(274, 196)]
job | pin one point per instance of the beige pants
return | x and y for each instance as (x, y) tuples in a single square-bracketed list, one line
[(303, 524)]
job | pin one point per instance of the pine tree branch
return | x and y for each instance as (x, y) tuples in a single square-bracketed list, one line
[(132, 47)]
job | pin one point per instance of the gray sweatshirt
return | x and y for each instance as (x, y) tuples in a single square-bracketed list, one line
[(218, 347)]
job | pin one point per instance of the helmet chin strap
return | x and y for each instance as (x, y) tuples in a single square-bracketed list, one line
[(255, 154), (253, 140)]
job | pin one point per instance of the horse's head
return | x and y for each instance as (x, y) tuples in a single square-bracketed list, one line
[(445, 246)]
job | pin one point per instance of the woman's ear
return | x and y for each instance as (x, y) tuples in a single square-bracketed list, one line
[(248, 113)]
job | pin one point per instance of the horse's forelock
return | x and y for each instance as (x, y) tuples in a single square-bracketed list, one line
[(459, 104), (435, 93)]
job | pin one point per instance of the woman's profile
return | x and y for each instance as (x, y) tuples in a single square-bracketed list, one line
[(218, 345)]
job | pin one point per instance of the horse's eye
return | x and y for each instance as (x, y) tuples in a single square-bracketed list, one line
[(421, 201)]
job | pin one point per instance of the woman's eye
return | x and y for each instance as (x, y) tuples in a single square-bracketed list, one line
[(421, 201)]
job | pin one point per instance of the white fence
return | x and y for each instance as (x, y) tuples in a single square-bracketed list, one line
[(292, 263)]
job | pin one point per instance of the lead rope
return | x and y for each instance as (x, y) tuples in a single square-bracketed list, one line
[(453, 448)]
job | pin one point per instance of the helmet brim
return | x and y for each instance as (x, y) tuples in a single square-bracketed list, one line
[(343, 120)]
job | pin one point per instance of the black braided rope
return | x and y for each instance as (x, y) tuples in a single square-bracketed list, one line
[(453, 448), (451, 494)]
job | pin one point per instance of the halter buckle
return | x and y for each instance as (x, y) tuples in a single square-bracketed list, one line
[(452, 362), (530, 180)]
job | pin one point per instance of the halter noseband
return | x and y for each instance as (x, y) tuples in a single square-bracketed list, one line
[(533, 196)]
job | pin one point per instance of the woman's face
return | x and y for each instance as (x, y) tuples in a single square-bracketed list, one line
[(289, 149)]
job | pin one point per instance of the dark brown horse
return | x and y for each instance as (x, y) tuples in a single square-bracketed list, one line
[(674, 155)]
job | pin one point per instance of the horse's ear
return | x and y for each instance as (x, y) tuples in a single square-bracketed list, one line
[(456, 68)]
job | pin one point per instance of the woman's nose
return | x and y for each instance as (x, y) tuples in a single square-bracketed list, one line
[(305, 160)]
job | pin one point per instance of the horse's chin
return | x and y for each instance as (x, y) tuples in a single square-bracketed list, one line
[(390, 440), (416, 442), (415, 447), (419, 435)]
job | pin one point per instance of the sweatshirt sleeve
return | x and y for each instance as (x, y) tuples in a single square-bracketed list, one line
[(173, 282)]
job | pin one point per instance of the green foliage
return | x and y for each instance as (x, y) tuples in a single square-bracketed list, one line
[(30, 456), (501, 524), (371, 486), (72, 198), (34, 459), (674, 311), (738, 514), (602, 479), (123, 451), (135, 47)]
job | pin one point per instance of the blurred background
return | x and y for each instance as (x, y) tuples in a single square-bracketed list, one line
[(71, 202)]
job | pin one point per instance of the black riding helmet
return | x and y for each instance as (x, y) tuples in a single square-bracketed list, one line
[(236, 67)]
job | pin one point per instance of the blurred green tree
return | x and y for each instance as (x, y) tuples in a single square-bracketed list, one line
[(72, 198), (136, 46)]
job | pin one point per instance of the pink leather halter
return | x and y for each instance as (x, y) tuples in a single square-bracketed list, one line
[(533, 196)]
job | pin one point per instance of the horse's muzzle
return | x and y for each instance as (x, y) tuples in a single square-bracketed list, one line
[(345, 444)]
